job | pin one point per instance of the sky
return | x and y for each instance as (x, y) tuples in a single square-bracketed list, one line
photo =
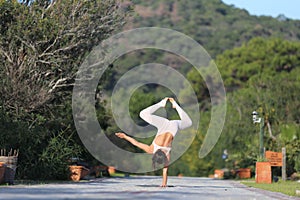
[(290, 8)]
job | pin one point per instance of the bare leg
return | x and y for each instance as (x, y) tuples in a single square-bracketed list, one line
[(185, 121), (147, 114)]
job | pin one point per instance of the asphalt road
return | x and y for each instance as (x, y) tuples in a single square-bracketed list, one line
[(140, 187)]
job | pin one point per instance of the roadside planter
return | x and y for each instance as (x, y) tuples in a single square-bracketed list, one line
[(2, 172), (244, 173), (219, 174), (77, 172), (9, 165), (263, 172), (111, 170)]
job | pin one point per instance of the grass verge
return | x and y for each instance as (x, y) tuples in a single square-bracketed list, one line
[(285, 187)]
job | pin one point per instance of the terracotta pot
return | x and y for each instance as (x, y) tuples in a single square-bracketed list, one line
[(77, 172), (10, 163), (244, 173), (2, 172), (263, 172), (111, 170), (219, 173)]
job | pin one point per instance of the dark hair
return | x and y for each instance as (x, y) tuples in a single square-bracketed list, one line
[(159, 157)]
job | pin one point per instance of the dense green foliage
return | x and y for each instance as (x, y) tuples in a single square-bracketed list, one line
[(42, 43), (213, 24), (268, 86)]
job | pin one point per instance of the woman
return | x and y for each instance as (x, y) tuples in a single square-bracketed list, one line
[(166, 131)]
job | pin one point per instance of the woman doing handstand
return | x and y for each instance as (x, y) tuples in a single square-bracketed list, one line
[(166, 131)]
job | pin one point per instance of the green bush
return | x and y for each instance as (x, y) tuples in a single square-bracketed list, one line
[(42, 155), (54, 159)]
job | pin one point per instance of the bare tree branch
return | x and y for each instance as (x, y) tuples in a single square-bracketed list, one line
[(270, 131), (45, 45)]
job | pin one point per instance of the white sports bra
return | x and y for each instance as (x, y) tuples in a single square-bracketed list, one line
[(165, 149)]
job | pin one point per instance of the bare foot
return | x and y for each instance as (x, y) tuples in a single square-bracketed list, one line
[(164, 101), (173, 102)]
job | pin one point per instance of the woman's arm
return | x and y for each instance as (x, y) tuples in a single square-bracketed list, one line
[(165, 177), (165, 172), (145, 147)]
